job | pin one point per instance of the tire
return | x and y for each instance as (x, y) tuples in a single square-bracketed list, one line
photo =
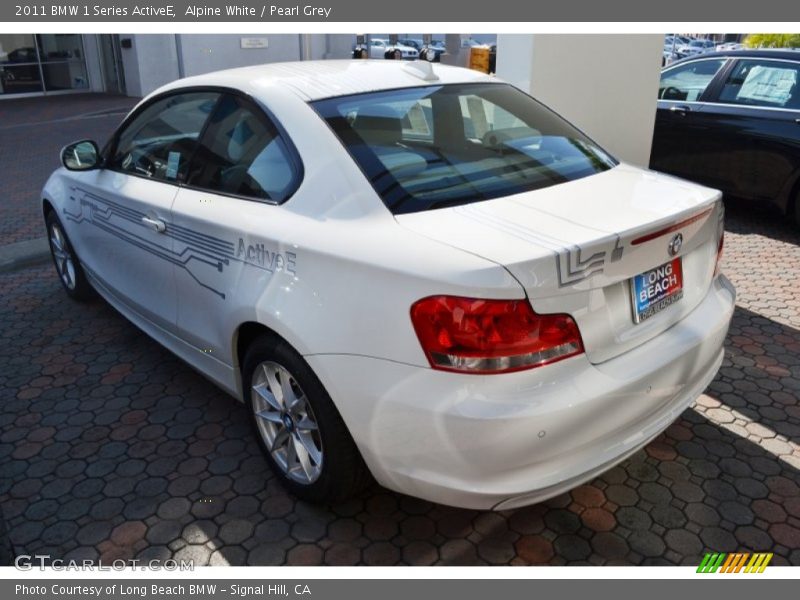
[(333, 470), (68, 267), (796, 210)]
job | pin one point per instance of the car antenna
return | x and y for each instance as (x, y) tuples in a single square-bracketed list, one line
[(421, 69)]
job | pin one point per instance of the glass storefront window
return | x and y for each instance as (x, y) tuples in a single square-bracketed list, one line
[(60, 46), (19, 65), (65, 76), (41, 63), (17, 48), (63, 63), (19, 79)]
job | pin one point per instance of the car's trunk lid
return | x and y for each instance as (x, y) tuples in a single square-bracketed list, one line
[(574, 247)]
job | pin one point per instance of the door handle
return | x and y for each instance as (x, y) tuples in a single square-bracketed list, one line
[(797, 121), (156, 225), (680, 108)]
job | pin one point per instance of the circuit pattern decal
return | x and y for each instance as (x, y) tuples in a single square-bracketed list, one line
[(124, 222)]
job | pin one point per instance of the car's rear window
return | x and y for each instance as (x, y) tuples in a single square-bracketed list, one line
[(444, 145)]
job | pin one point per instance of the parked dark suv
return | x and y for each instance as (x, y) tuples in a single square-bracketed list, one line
[(731, 120)]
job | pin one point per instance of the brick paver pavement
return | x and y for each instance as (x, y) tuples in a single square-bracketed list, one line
[(32, 132), (112, 448)]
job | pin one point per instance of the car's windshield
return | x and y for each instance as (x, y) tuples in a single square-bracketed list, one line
[(444, 145)]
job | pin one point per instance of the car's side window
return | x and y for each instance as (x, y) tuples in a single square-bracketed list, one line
[(763, 83), (242, 153), (160, 140), (687, 82)]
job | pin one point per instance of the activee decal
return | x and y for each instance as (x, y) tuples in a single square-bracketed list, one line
[(198, 248), (260, 256)]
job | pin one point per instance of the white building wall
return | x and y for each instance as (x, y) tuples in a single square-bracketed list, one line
[(604, 84), (151, 62), (338, 45), (158, 59), (207, 53)]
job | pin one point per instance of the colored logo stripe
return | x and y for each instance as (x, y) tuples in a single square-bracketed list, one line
[(711, 562), (734, 562), (759, 562)]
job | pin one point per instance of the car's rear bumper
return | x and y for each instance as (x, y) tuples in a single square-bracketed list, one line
[(508, 440)]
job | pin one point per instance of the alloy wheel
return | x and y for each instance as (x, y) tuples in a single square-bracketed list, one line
[(65, 263), (287, 423)]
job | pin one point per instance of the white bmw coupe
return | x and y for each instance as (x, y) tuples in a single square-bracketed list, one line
[(412, 271)]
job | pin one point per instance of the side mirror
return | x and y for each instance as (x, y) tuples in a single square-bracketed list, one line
[(81, 156)]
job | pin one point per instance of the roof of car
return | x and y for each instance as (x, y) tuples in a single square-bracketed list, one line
[(785, 53), (317, 79)]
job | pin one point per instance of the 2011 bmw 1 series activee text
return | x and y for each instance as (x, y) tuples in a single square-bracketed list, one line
[(408, 270)]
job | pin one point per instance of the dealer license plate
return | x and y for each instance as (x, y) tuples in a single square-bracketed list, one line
[(656, 289)]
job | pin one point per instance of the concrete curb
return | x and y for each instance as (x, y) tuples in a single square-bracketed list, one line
[(23, 254)]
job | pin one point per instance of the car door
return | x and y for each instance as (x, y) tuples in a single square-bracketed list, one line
[(753, 130), (124, 209), (679, 145), (234, 237)]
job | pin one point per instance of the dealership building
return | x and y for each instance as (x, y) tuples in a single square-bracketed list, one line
[(136, 64)]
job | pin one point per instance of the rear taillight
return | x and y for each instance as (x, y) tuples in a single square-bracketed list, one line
[(471, 335)]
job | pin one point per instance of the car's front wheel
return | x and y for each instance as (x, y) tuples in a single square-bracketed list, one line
[(68, 267), (299, 429)]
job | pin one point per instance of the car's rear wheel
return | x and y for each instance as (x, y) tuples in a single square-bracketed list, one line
[(68, 267), (796, 209), (299, 429)]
